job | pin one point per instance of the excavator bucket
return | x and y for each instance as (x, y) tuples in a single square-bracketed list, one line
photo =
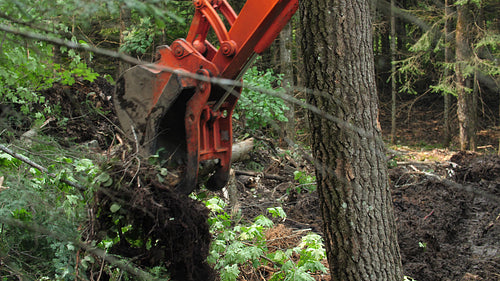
[(168, 113), (173, 107), (141, 116)]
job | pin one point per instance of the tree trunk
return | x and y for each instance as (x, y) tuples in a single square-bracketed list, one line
[(287, 71), (393, 71), (351, 171), (464, 97), (447, 59), (473, 114)]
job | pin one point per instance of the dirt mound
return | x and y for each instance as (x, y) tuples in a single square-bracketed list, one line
[(475, 168), (155, 226), (449, 229), (448, 217), (87, 110)]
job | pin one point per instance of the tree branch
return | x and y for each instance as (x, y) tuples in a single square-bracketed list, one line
[(264, 175), (385, 7), (113, 260), (39, 167)]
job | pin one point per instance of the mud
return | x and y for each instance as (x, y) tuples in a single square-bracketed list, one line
[(155, 226), (447, 215), (88, 114), (448, 230)]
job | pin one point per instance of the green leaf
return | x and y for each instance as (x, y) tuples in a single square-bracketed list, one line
[(277, 212), (279, 256), (114, 207), (230, 273), (22, 215), (263, 221), (163, 171), (215, 205), (7, 160)]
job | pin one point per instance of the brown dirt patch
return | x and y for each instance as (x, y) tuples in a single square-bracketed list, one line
[(87, 110), (449, 229), (163, 228)]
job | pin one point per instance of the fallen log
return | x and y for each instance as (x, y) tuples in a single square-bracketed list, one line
[(264, 175), (241, 150)]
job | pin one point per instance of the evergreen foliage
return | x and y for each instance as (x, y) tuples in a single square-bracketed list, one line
[(41, 216), (425, 60)]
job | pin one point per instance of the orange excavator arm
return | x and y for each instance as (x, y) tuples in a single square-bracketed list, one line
[(188, 120)]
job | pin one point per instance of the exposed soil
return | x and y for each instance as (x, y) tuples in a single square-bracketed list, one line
[(448, 218), (446, 204), (88, 113), (167, 228)]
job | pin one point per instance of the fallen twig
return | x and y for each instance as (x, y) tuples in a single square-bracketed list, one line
[(264, 175), (40, 167)]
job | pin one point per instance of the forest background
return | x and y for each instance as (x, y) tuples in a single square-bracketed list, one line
[(438, 77)]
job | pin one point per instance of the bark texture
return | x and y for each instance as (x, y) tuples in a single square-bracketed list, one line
[(357, 210), (287, 71), (465, 107), (447, 58), (394, 91)]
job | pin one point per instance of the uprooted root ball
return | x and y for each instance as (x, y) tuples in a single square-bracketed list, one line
[(153, 225)]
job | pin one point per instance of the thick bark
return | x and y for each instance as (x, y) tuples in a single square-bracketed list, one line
[(356, 205), (447, 59), (287, 71), (464, 97), (393, 71)]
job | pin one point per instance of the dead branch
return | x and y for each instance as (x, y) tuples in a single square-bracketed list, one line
[(257, 174), (40, 167)]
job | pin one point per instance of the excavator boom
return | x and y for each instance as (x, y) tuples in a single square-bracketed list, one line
[(186, 117)]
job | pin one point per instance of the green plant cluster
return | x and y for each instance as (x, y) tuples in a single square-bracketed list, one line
[(41, 215), (139, 38), (29, 67), (146, 31), (426, 53), (306, 182), (257, 109), (236, 245)]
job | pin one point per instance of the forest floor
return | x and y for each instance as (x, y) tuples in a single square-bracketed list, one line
[(446, 202)]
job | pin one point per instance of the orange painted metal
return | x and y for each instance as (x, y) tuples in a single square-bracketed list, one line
[(207, 120)]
